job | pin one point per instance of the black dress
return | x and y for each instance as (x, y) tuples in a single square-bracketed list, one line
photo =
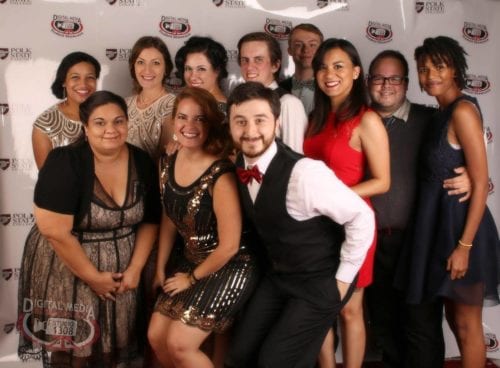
[(439, 223), (212, 302), (58, 311)]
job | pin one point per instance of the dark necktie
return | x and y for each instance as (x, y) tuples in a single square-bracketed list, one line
[(247, 175), (388, 121)]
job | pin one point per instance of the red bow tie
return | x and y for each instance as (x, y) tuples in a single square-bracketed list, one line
[(246, 176)]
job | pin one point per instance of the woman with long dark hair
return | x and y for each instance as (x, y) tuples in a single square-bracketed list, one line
[(351, 139)]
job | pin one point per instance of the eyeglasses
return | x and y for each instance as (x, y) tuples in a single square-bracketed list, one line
[(393, 80)]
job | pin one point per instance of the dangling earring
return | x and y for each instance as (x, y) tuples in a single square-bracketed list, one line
[(174, 137), (65, 98)]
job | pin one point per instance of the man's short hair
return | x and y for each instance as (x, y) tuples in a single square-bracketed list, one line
[(393, 54), (254, 91), (272, 45), (308, 27)]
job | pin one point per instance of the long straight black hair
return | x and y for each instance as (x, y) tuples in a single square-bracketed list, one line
[(356, 99)]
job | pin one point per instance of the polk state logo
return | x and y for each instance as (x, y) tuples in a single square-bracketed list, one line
[(124, 2), (477, 84), (488, 135), (5, 219), (378, 32), (336, 4), (239, 4), (491, 342), (65, 26), (429, 7), (11, 273), (175, 27), (476, 33), (111, 54), (218, 2), (118, 54), (4, 109), (20, 53), (4, 52), (8, 327), (491, 187), (17, 219), (232, 55), (279, 29), (4, 163)]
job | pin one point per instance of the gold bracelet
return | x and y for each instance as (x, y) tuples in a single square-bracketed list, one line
[(464, 244)]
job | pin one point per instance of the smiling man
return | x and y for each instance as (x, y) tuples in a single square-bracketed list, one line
[(295, 205), (260, 61), (304, 40)]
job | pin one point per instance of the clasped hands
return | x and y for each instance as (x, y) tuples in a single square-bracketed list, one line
[(108, 284)]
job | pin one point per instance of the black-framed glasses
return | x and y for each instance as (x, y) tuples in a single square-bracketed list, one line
[(393, 80)]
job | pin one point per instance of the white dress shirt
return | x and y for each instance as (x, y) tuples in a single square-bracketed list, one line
[(314, 190), (293, 121)]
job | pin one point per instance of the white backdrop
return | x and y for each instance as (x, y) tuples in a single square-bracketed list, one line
[(36, 34)]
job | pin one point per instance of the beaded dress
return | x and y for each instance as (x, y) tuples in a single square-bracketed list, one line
[(212, 302)]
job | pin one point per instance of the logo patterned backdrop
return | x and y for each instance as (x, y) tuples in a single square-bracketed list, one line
[(35, 35)]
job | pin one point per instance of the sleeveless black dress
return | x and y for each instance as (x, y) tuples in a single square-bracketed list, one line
[(439, 222), (212, 302)]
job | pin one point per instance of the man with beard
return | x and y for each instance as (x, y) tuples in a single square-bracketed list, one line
[(300, 212)]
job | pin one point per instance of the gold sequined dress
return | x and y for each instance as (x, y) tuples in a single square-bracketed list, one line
[(213, 301)]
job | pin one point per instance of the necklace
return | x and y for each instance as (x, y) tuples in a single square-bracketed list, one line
[(145, 103)]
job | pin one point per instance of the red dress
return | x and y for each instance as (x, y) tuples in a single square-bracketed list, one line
[(331, 146)]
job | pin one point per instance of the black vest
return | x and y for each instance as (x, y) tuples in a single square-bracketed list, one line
[(306, 247)]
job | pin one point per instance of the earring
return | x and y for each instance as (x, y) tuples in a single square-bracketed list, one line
[(65, 98), (174, 137)]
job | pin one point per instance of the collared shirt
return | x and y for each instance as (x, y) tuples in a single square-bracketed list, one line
[(403, 111), (293, 120), (304, 91), (314, 190)]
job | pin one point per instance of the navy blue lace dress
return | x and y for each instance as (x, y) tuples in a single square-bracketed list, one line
[(439, 223)]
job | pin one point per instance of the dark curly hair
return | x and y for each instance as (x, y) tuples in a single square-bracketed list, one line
[(445, 50), (147, 42), (213, 50), (66, 63)]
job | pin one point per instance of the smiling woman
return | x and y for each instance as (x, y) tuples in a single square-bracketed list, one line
[(97, 212), (60, 125), (150, 107)]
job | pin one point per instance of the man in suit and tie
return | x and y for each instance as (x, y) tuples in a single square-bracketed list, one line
[(315, 232)]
